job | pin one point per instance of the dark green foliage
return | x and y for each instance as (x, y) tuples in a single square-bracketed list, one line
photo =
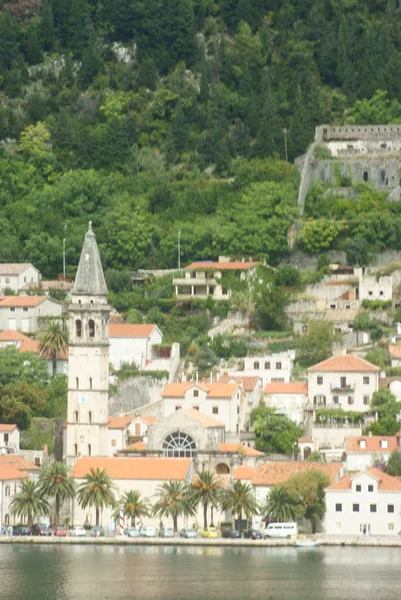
[(274, 433)]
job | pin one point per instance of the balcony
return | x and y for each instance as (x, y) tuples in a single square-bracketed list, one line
[(342, 389), (194, 281)]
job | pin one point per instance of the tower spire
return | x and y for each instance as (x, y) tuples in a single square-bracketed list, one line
[(89, 280)]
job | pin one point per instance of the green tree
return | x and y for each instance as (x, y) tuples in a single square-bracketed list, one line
[(358, 252), (96, 491), (319, 235), (205, 489), (307, 493), (205, 358), (317, 344), (53, 341), (56, 484), (274, 433), (364, 322), (279, 506), (135, 507), (29, 502), (394, 464), (173, 500), (269, 300), (240, 499)]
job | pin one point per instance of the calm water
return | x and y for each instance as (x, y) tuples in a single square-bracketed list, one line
[(172, 573)]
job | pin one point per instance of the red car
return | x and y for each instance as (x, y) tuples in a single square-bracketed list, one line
[(60, 531)]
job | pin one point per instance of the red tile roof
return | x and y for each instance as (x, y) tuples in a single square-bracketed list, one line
[(148, 419), (239, 449), (13, 268), (8, 473), (213, 390), (18, 462), (4, 428), (372, 443), (274, 473), (244, 472), (140, 468), (293, 387), (137, 446), (29, 345), (394, 350), (25, 301), (119, 422), (386, 482), (131, 331), (10, 335), (201, 418), (248, 383), (222, 266), (344, 363)]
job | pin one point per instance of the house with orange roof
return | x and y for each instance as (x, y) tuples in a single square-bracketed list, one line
[(394, 351), (204, 278), (24, 313), (221, 401), (288, 399), (13, 276), (251, 392), (133, 344), (365, 503), (365, 451), (9, 438), (271, 368), (10, 483), (345, 381), (23, 343)]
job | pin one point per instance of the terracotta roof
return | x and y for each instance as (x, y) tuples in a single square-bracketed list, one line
[(137, 446), (394, 350), (372, 443), (344, 363), (214, 390), (293, 387), (25, 301), (131, 331), (13, 268), (29, 345), (274, 473), (8, 473), (201, 418), (5, 427), (240, 449), (305, 440), (10, 335), (222, 266), (244, 472), (119, 422), (149, 419), (18, 462), (386, 482), (140, 468), (248, 383)]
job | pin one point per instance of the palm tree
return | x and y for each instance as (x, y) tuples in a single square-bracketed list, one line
[(135, 506), (240, 499), (52, 341), (279, 506), (174, 500), (55, 483), (205, 489), (29, 502), (97, 490)]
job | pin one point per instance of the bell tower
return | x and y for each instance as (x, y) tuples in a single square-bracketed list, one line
[(88, 362)]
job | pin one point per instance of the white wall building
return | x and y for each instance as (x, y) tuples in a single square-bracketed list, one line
[(9, 438), (271, 368), (364, 451), (14, 276), (368, 502), (24, 313), (133, 344), (10, 483), (289, 399), (344, 381), (394, 351), (252, 393), (371, 288)]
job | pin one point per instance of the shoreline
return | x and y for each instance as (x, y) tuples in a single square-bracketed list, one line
[(324, 540)]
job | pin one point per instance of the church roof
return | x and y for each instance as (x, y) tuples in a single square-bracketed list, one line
[(89, 280)]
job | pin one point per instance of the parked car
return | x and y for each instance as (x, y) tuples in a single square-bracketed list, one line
[(148, 532), (21, 530), (78, 531), (95, 531), (188, 533), (132, 532), (167, 532), (230, 533), (252, 534), (210, 532), (60, 531), (40, 529)]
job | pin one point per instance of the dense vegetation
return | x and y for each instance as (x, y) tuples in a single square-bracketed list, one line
[(169, 115)]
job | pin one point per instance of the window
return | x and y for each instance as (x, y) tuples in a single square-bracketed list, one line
[(370, 488), (366, 399), (195, 407), (390, 527), (362, 444), (384, 443), (336, 400), (215, 410), (355, 507), (6, 438), (339, 507), (137, 429), (350, 399), (358, 488), (91, 328), (365, 176), (76, 449), (78, 328), (237, 410), (381, 293), (278, 366), (366, 380), (37, 461), (370, 293), (90, 417), (90, 383), (77, 383), (390, 508), (364, 528), (256, 365), (343, 382), (76, 416), (179, 445), (373, 508), (25, 309), (178, 407), (89, 450), (196, 393), (12, 308), (267, 365), (114, 443), (7, 491), (320, 380)]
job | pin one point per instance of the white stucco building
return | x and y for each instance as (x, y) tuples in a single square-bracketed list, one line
[(345, 381), (10, 483), (288, 399), (394, 351), (14, 276), (9, 438), (133, 344), (24, 313), (362, 452), (271, 368), (368, 502)]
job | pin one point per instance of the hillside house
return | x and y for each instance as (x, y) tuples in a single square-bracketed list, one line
[(14, 276), (271, 368), (288, 399), (365, 451), (26, 313), (9, 438)]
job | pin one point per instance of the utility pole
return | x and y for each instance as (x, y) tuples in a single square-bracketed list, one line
[(64, 260), (179, 251), (286, 151)]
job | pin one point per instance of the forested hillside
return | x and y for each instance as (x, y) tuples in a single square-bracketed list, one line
[(157, 116)]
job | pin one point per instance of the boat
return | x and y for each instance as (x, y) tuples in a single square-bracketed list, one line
[(306, 543)]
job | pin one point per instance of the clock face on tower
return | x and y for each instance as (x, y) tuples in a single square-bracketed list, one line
[(82, 399)]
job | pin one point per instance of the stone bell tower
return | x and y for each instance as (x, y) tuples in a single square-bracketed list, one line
[(88, 362)]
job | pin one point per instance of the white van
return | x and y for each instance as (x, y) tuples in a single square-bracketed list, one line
[(281, 530)]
